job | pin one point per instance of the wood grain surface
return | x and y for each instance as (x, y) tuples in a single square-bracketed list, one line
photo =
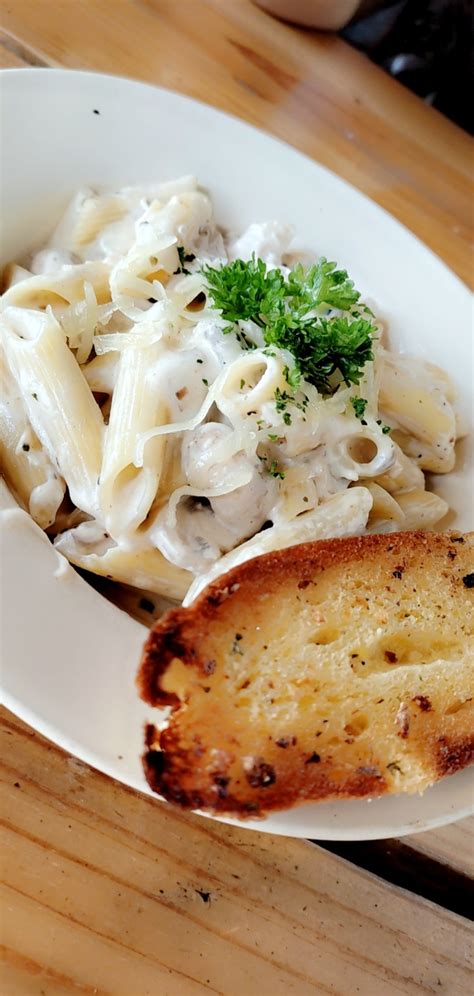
[(107, 891)]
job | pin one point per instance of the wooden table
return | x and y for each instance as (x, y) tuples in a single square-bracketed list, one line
[(106, 891)]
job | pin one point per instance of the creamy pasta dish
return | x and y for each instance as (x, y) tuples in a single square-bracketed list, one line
[(177, 399)]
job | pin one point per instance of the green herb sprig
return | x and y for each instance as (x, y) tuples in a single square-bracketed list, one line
[(293, 314)]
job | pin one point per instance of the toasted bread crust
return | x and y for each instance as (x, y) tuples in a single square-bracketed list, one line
[(454, 755), (207, 758), (171, 772)]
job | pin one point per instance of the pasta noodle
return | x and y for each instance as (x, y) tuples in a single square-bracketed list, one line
[(416, 402), (32, 476), (386, 515), (126, 492), (146, 569), (57, 399), (422, 509), (160, 445), (402, 475)]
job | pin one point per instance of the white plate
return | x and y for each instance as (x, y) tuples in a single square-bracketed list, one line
[(69, 656)]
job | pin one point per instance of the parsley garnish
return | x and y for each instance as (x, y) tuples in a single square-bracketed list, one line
[(359, 405), (293, 315), (322, 284), (184, 257), (292, 377)]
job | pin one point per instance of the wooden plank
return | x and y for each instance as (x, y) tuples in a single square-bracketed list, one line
[(121, 894), (8, 58), (452, 845), (15, 55), (406, 864), (312, 90), (19, 975)]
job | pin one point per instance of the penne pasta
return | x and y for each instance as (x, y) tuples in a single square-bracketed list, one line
[(127, 491), (141, 568), (438, 457), (385, 516), (402, 475), (58, 289), (24, 463), (422, 509), (418, 406), (58, 401)]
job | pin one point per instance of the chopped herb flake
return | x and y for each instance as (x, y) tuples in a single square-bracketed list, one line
[(359, 405), (281, 399), (292, 377), (274, 471), (184, 257)]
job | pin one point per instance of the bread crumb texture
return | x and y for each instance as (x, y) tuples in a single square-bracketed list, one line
[(341, 668)]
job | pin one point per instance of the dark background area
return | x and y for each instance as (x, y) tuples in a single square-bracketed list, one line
[(428, 46)]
